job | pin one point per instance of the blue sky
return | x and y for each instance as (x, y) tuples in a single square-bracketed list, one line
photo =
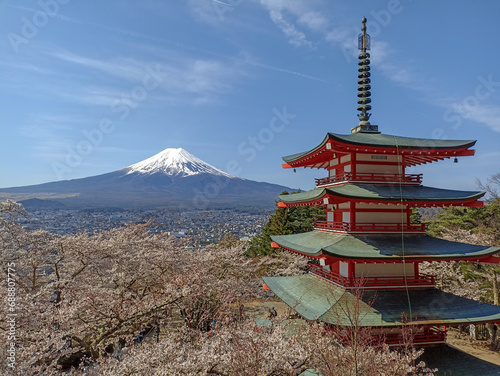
[(89, 87)]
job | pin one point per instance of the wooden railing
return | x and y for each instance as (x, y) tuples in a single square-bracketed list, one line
[(369, 227), (367, 282), (319, 271), (371, 178), (431, 335), (423, 336)]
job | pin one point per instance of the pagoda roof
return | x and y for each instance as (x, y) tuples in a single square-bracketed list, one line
[(435, 149), (382, 248), (380, 192), (316, 299)]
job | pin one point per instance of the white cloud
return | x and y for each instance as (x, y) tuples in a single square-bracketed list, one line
[(486, 114), (295, 37), (201, 81), (346, 39), (283, 14), (126, 68), (314, 21), (213, 12), (86, 80)]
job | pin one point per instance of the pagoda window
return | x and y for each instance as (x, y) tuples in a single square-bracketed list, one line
[(379, 168), (371, 206), (388, 213), (322, 262), (381, 217), (380, 164), (343, 269), (345, 158), (385, 270), (329, 216), (379, 158)]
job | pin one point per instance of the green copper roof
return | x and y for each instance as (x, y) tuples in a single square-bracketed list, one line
[(385, 140), (383, 192), (380, 247), (314, 298)]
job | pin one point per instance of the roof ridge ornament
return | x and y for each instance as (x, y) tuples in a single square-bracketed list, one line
[(364, 81)]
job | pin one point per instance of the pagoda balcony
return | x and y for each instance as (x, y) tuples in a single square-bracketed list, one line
[(428, 336), (418, 281), (369, 227), (393, 337), (370, 178)]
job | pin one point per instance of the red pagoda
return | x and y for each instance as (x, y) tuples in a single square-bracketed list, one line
[(368, 237)]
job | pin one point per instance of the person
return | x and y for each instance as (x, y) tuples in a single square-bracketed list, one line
[(157, 331), (124, 352), (117, 350), (67, 343), (241, 312), (273, 313), (141, 336), (85, 364)]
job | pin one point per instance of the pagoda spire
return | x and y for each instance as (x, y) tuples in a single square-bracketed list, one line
[(364, 76)]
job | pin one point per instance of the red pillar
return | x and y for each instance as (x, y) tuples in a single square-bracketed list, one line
[(351, 271), (352, 209), (353, 165)]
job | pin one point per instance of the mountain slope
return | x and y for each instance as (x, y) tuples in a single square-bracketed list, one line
[(172, 177)]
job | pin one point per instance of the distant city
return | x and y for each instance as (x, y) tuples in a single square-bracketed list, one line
[(199, 228)]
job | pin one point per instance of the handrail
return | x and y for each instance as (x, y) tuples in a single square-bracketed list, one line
[(433, 335), (370, 177), (369, 227), (380, 281)]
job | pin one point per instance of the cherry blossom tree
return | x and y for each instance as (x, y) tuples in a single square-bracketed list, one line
[(83, 298)]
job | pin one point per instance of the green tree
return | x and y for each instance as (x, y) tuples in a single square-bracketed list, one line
[(485, 220), (481, 221), (284, 221), (475, 226), (415, 216)]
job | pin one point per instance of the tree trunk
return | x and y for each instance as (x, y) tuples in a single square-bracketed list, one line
[(492, 330), (495, 332), (472, 332), (495, 288)]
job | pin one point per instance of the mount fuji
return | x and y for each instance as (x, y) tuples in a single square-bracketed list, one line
[(171, 178), (176, 163)]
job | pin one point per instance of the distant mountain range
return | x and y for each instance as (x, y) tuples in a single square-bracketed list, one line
[(171, 178)]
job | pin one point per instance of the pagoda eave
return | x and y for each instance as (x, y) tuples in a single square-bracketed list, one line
[(489, 259), (379, 248), (316, 299), (415, 196), (412, 153), (329, 199)]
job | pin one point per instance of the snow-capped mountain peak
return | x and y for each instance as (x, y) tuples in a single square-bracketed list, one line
[(175, 162)]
